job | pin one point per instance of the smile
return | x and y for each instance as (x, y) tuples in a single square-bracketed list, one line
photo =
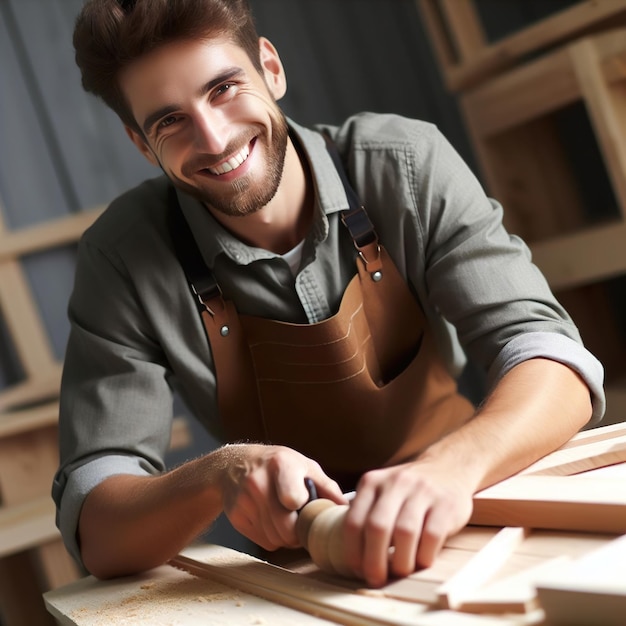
[(232, 164)]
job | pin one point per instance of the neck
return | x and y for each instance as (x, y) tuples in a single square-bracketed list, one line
[(280, 225)]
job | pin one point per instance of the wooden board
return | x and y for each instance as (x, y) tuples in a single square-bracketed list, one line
[(465, 63), (591, 590), (26, 525), (217, 596), (585, 455), (291, 589), (483, 565), (165, 596), (579, 503)]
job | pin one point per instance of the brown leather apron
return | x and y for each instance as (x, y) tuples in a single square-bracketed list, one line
[(362, 389)]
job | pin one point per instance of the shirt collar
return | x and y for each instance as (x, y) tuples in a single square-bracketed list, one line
[(330, 195)]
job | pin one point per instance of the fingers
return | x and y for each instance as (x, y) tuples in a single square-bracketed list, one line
[(268, 529), (442, 521), (398, 522), (372, 529), (260, 517), (264, 496), (291, 485)]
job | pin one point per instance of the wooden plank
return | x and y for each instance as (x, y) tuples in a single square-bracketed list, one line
[(601, 433), (605, 103), (578, 503), (39, 387), (16, 422), (524, 94), (575, 259), (28, 461), (512, 594), (574, 460), (583, 17), (465, 28), (50, 234), (483, 565), (23, 321), (250, 575), (546, 84), (165, 596), (551, 544), (26, 525), (591, 590)]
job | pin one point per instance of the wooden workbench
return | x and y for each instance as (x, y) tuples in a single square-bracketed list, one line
[(238, 589), (521, 572)]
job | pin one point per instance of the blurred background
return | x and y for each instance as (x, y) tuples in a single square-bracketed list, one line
[(64, 156)]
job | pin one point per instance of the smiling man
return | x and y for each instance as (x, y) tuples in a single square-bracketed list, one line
[(311, 293)]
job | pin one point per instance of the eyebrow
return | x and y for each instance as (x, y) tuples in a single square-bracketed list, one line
[(153, 118)]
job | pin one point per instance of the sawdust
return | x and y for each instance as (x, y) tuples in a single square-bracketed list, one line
[(153, 599)]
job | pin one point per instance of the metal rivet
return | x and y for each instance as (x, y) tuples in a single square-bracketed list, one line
[(377, 276), (224, 331)]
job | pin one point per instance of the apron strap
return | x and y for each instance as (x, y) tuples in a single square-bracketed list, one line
[(199, 276), (356, 219)]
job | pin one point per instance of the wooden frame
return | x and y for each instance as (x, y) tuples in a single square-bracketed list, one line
[(467, 59), (42, 371), (32, 556)]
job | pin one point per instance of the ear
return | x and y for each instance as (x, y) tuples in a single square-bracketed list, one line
[(273, 70), (142, 145)]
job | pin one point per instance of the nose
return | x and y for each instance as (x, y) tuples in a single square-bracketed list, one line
[(211, 131)]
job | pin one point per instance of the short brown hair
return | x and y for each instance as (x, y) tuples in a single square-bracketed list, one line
[(111, 34)]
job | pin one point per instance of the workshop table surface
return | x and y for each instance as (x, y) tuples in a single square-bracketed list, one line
[(302, 594), (499, 576)]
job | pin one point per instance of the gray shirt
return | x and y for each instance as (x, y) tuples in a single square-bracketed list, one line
[(136, 332)]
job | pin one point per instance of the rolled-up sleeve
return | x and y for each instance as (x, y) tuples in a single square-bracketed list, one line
[(482, 279), (116, 403)]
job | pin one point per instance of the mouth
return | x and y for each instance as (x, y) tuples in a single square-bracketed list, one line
[(232, 163)]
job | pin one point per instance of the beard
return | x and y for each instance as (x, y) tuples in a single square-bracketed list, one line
[(244, 195)]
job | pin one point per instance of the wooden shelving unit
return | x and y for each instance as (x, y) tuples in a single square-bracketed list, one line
[(33, 558), (514, 94)]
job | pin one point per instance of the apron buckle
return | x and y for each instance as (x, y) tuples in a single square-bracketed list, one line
[(371, 257)]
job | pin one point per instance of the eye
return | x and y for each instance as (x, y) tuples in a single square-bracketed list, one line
[(168, 121), (222, 89)]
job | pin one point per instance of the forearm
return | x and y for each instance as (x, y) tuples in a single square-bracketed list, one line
[(132, 523), (129, 523), (532, 411), (415, 506)]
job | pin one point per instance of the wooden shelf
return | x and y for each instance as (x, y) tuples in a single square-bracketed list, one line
[(466, 57)]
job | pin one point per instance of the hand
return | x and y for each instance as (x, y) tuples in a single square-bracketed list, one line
[(412, 509), (263, 487)]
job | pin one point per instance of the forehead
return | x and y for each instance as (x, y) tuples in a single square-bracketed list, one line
[(175, 71)]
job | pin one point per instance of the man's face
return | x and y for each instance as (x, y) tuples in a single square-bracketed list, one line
[(211, 121)]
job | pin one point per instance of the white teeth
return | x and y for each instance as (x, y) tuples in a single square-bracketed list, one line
[(232, 164)]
